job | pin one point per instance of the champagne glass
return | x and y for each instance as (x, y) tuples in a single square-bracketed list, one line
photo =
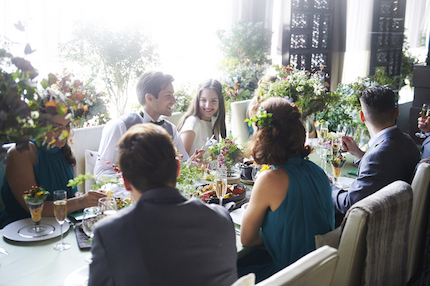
[(324, 131), (60, 212), (91, 216), (221, 184), (424, 115)]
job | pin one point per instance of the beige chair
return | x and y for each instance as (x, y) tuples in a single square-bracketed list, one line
[(352, 250), (418, 226), (315, 268), (239, 129)]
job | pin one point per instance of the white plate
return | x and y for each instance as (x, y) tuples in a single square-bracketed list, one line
[(10, 231), (237, 215), (79, 277)]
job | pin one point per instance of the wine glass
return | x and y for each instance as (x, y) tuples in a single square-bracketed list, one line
[(221, 184), (91, 216), (424, 115), (60, 212), (35, 205), (107, 206), (324, 131)]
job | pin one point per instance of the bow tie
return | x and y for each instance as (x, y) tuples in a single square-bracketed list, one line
[(161, 122)]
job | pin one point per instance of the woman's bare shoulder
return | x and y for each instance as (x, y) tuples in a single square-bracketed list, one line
[(29, 154)]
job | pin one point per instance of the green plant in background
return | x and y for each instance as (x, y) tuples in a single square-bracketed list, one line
[(408, 62), (245, 48), (114, 56), (307, 90), (183, 95)]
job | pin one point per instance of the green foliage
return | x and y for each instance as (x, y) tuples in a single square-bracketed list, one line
[(115, 57), (262, 118), (226, 150), (19, 103), (307, 90), (247, 42), (183, 95), (245, 48), (80, 179)]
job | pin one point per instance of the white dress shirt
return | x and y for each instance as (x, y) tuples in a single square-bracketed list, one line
[(112, 132)]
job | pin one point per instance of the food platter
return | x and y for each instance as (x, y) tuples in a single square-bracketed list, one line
[(235, 193)]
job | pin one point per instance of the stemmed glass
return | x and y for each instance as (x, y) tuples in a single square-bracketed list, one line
[(324, 131), (60, 212), (35, 199), (221, 183), (107, 206), (337, 163), (424, 114), (91, 216)]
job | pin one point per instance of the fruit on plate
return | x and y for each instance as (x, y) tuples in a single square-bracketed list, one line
[(232, 191)]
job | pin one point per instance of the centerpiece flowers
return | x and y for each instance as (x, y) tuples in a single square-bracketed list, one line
[(227, 153), (307, 90)]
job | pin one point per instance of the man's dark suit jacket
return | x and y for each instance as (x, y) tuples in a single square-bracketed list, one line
[(165, 239), (425, 151), (392, 156)]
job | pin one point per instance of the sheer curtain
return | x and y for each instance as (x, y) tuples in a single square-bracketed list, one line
[(417, 27), (358, 37)]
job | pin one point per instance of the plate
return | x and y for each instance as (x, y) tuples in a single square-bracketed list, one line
[(10, 231), (79, 277), (235, 199)]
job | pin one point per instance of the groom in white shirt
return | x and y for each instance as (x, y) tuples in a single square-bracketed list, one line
[(155, 94)]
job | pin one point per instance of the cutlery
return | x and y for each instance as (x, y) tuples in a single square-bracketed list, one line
[(2, 251)]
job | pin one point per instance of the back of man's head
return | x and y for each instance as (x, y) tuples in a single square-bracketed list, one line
[(379, 103), (151, 82), (147, 157)]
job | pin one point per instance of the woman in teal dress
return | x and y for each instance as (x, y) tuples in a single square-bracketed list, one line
[(291, 203), (50, 168)]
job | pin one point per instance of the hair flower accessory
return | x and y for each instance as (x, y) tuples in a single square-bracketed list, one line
[(262, 118)]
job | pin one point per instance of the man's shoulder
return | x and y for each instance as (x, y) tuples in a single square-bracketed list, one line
[(116, 223)]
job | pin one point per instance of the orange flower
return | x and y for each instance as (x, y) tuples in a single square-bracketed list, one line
[(50, 103)]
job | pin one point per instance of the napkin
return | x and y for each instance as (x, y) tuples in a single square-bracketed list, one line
[(82, 238), (353, 172)]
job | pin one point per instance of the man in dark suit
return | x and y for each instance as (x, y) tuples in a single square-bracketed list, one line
[(164, 238), (392, 155), (424, 126)]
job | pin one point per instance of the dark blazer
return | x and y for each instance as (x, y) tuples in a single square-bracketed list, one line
[(165, 239), (392, 156), (425, 151)]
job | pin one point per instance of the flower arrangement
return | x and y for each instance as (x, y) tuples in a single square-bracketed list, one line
[(305, 89), (117, 179), (86, 103), (36, 193), (183, 96), (227, 152)]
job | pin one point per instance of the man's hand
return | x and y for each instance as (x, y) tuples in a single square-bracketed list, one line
[(423, 124), (349, 145)]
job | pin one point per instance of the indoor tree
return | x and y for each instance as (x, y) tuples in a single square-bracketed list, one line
[(114, 56)]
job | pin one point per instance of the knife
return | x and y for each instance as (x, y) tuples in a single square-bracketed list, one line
[(2, 251)]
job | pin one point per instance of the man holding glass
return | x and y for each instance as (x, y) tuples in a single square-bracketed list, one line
[(164, 239), (391, 155)]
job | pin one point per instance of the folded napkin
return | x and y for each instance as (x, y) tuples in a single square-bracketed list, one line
[(82, 238), (353, 172)]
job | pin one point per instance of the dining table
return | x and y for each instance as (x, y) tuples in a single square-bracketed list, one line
[(37, 263)]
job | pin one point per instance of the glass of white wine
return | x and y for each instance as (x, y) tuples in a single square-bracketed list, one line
[(324, 131), (424, 114), (60, 212), (221, 184)]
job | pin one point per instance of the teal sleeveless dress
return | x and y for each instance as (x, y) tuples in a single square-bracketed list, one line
[(289, 232), (52, 172)]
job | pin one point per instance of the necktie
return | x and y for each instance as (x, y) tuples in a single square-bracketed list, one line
[(161, 122)]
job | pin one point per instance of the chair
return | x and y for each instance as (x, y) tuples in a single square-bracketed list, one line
[(239, 128), (315, 268), (419, 219), (85, 139), (373, 244)]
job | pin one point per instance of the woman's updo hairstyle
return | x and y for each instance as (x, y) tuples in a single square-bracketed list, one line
[(284, 139)]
